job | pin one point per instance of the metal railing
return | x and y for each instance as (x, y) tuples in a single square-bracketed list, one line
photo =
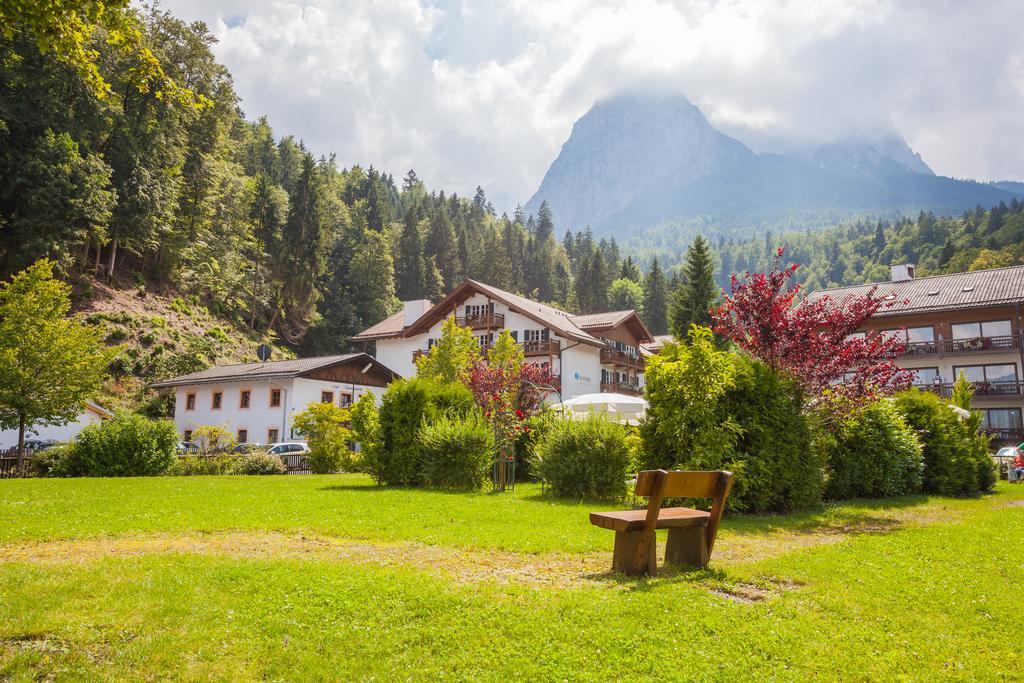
[(981, 389), (974, 345), (622, 388)]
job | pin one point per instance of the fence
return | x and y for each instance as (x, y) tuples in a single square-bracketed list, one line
[(9, 464)]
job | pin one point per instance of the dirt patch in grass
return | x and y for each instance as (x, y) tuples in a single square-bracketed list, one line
[(562, 570)]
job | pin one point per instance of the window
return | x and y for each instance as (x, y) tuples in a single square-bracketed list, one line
[(485, 340), (327, 397), (346, 400), (271, 436), (918, 335), (992, 328), (217, 397), (275, 398), (1002, 418), (243, 436), (244, 398), (190, 401), (991, 374), (188, 435), (924, 376)]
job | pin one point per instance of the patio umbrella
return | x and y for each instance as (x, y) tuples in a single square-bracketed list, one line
[(618, 407)]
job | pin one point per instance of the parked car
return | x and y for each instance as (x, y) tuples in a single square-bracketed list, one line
[(187, 447), (248, 447), (39, 444), (288, 448)]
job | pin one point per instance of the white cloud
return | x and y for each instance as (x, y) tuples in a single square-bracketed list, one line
[(486, 93)]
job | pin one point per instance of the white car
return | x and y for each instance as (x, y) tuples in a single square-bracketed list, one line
[(288, 448)]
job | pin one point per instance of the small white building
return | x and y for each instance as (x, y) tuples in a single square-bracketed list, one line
[(61, 433), (598, 352), (257, 402)]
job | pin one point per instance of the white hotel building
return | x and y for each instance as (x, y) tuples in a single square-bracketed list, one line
[(257, 402), (592, 353)]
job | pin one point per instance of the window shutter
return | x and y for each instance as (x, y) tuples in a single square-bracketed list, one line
[(545, 334), (514, 334)]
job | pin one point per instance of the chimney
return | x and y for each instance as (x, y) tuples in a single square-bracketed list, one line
[(901, 272), (412, 310)]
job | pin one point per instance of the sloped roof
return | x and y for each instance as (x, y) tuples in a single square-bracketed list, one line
[(279, 369), (956, 291), (549, 316), (659, 342), (610, 319), (391, 326)]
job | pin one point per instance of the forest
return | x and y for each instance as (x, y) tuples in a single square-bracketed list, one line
[(145, 172)]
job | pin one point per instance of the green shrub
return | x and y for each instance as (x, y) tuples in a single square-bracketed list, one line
[(51, 462), (711, 410), (872, 453), (198, 465), (329, 438), (456, 452), (259, 463), (406, 405), (584, 458), (956, 457), (366, 432), (126, 445)]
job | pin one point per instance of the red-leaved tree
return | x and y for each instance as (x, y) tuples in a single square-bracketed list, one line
[(508, 395), (814, 341)]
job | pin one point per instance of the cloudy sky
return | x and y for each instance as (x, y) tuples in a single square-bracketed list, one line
[(486, 92)]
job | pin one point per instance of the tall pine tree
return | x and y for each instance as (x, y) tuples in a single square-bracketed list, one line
[(696, 293), (656, 300)]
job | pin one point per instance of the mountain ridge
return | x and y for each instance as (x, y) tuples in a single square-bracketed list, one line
[(635, 161)]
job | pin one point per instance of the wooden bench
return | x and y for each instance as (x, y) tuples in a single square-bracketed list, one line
[(691, 533)]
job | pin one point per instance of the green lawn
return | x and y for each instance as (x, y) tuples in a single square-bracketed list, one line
[(330, 577)]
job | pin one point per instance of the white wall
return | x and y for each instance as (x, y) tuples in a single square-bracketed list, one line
[(396, 354), (582, 374), (61, 433), (259, 417), (579, 367)]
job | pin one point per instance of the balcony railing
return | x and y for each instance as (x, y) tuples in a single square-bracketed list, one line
[(989, 344), (981, 389), (631, 388), (610, 356), (546, 347), (482, 321), (999, 435)]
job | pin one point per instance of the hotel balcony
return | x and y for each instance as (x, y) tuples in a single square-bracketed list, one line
[(628, 388), (610, 356), (951, 346), (547, 347), (1005, 436), (982, 390), (484, 321)]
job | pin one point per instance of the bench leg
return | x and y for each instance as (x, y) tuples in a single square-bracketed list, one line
[(687, 545), (624, 554)]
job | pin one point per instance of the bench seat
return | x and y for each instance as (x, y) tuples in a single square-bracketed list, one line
[(633, 520)]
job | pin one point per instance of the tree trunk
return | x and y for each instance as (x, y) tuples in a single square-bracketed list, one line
[(99, 260), (255, 289), (113, 260), (21, 440)]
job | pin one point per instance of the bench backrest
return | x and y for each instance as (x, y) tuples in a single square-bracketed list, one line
[(680, 483), (656, 485)]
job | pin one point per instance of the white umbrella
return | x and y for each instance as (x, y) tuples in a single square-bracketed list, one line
[(618, 407)]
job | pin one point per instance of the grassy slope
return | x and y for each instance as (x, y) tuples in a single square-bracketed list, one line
[(923, 588), (152, 328)]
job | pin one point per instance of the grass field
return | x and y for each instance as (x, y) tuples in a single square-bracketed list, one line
[(297, 578)]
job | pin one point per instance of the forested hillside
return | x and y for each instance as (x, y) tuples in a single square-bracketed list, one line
[(157, 180), (863, 251)]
